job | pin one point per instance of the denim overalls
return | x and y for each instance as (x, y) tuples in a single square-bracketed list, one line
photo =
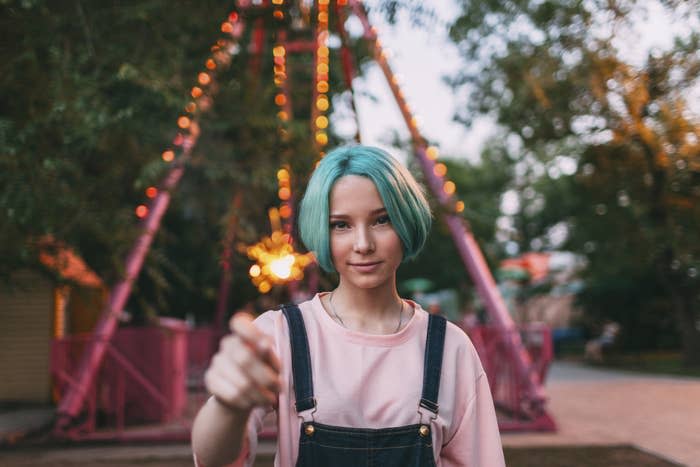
[(332, 446)]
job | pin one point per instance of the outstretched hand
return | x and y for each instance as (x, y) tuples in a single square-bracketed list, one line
[(245, 372)]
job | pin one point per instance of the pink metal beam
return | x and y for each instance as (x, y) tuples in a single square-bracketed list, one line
[(226, 255), (93, 355), (348, 63), (467, 246)]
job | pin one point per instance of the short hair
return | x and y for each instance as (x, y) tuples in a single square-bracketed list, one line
[(403, 199)]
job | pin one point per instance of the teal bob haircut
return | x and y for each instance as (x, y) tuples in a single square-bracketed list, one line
[(403, 199)]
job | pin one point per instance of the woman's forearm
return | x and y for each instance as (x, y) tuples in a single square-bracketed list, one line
[(218, 433)]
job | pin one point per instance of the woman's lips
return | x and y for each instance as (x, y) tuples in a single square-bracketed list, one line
[(365, 267)]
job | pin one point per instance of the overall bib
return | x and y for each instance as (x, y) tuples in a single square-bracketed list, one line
[(332, 446)]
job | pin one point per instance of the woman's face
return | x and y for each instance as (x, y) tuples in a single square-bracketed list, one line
[(366, 250)]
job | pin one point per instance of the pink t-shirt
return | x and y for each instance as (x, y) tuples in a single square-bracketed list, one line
[(375, 381)]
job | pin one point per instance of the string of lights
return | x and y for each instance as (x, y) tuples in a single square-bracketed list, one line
[(444, 188), (201, 100), (321, 104)]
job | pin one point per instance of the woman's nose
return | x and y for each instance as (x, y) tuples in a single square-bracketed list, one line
[(363, 241)]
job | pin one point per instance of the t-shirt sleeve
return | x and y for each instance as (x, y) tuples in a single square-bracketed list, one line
[(477, 441)]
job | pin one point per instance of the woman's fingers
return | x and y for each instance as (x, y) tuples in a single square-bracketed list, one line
[(241, 324), (234, 387), (241, 362), (245, 372)]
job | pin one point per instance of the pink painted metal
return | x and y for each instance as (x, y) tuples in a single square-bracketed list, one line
[(91, 359), (226, 255), (506, 387), (142, 378), (529, 389), (73, 400)]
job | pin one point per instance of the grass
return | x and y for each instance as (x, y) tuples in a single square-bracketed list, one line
[(583, 456), (668, 363)]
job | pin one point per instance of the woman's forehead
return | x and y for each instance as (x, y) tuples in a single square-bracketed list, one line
[(355, 193)]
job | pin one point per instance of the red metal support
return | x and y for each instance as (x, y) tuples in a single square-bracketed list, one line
[(72, 403), (347, 62), (226, 255), (533, 397), (93, 355)]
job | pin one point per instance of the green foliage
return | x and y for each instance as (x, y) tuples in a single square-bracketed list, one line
[(91, 92), (479, 185), (606, 150)]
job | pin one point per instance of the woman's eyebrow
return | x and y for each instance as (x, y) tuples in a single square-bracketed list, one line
[(374, 212)]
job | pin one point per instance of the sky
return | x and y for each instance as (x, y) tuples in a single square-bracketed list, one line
[(420, 59)]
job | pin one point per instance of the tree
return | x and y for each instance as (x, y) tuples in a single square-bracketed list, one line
[(553, 78), (91, 92)]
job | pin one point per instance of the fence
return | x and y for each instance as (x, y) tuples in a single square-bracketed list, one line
[(142, 379), (516, 413)]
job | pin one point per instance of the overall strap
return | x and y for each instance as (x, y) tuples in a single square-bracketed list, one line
[(434, 345), (301, 360)]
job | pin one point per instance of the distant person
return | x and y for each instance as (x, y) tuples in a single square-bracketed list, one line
[(595, 347), (345, 371)]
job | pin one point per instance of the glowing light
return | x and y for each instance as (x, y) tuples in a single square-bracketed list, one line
[(286, 211), (323, 2), (440, 170), (196, 92), (322, 68), (322, 103), (204, 78), (168, 156), (342, 2), (191, 107), (254, 270), (278, 14), (284, 193), (282, 267), (322, 17), (282, 115), (322, 86), (233, 17), (280, 99), (226, 27), (282, 174), (277, 2), (183, 122), (322, 121), (432, 152), (278, 51), (141, 211), (151, 192), (210, 64), (321, 138), (323, 51), (264, 287), (459, 206), (449, 187)]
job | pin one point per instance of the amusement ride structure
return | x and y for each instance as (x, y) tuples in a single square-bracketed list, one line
[(516, 367)]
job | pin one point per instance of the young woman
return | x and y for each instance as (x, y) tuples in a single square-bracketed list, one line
[(357, 376)]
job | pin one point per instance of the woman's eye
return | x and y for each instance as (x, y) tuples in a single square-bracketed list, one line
[(381, 220), (338, 225)]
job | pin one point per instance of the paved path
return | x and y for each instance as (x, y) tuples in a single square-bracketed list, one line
[(592, 407), (658, 414)]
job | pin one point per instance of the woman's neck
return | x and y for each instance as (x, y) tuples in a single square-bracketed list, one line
[(376, 310)]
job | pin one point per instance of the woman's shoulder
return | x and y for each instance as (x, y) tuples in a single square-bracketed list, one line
[(274, 317), (458, 344)]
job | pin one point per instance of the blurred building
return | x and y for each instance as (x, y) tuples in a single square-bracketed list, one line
[(61, 296)]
